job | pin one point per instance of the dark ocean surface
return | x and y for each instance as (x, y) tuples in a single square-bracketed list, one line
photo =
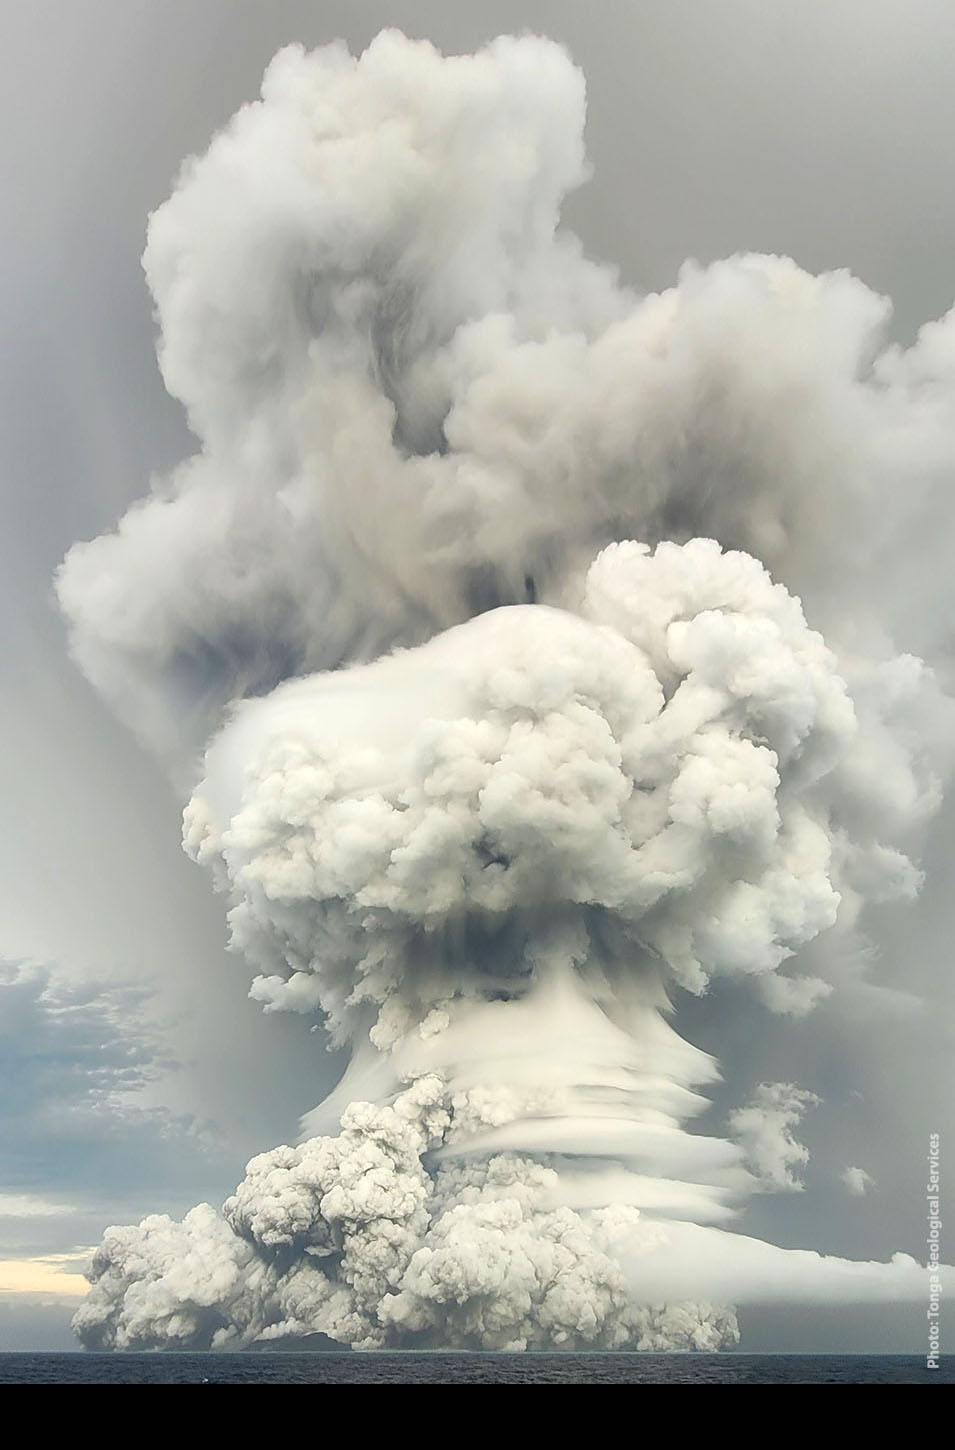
[(472, 1369)]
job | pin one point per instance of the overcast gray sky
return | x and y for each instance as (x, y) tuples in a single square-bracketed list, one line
[(823, 130)]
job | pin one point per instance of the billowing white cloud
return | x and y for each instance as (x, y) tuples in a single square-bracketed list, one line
[(490, 607), (356, 1238), (763, 1129)]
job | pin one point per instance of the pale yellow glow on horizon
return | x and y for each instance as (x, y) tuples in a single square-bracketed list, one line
[(49, 1275)]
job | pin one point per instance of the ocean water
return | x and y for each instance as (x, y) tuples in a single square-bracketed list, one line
[(329, 1368)]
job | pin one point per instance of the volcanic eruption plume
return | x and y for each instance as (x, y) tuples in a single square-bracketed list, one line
[(482, 634)]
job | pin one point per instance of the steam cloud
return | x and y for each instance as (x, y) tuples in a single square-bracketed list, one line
[(476, 634)]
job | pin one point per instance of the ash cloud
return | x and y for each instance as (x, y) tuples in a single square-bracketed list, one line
[(530, 652), (354, 1237), (763, 1128)]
